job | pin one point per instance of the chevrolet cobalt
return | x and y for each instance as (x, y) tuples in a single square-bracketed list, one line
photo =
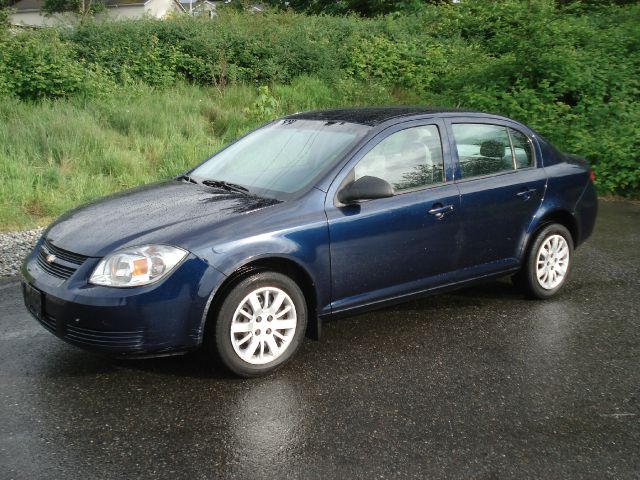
[(312, 215)]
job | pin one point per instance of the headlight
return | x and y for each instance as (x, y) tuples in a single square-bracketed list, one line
[(136, 266)]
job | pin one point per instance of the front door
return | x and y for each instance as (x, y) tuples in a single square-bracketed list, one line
[(389, 247)]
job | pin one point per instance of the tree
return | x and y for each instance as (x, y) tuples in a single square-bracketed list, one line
[(367, 8), (4, 14), (371, 8), (83, 8)]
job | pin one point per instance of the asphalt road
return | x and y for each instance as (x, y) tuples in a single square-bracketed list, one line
[(479, 384)]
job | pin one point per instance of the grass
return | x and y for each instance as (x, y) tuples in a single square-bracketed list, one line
[(57, 154)]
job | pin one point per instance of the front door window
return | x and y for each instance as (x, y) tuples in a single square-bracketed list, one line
[(408, 159)]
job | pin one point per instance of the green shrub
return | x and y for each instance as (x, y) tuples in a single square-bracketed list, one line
[(265, 107), (568, 71), (36, 65), (234, 48)]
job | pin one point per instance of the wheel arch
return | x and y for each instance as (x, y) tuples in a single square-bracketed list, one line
[(560, 216), (564, 218), (279, 264)]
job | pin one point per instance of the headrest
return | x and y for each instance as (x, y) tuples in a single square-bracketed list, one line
[(492, 148)]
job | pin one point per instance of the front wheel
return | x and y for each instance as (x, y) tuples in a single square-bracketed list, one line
[(260, 324), (548, 262)]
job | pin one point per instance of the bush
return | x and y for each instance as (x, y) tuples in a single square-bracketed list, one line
[(36, 65), (235, 48), (570, 72)]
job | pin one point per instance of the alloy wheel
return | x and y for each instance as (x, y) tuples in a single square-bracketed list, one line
[(552, 261), (263, 325)]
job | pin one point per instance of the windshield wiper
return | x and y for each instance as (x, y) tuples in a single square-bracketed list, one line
[(186, 178), (232, 187)]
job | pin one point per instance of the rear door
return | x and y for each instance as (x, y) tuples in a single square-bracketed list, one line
[(501, 188), (388, 247)]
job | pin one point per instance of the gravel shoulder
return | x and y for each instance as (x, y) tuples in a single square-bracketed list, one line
[(14, 247)]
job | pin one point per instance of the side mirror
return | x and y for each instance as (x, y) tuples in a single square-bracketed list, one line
[(365, 188)]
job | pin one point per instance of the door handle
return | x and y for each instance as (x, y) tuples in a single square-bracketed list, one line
[(439, 211), (526, 194)]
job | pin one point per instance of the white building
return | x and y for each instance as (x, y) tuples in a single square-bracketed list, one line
[(29, 12)]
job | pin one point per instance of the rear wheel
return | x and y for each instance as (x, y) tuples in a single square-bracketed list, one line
[(548, 262), (260, 324)]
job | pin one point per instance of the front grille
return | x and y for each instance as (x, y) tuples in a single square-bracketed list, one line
[(64, 262), (100, 338), (53, 268), (64, 254)]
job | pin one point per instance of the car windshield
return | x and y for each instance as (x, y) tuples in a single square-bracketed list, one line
[(283, 157)]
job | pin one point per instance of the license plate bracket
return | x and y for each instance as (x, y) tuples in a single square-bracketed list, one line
[(34, 301)]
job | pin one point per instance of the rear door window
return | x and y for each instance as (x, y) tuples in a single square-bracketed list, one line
[(482, 149)]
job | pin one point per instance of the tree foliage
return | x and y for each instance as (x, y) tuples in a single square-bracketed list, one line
[(83, 8), (367, 8), (4, 15), (372, 8)]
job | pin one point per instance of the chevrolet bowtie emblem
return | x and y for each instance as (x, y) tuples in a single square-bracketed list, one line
[(50, 258)]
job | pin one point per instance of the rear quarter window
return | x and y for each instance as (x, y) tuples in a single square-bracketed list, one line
[(522, 149)]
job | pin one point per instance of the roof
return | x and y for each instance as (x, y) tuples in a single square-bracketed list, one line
[(36, 5), (370, 115)]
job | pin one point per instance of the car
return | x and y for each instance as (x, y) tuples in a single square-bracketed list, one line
[(313, 215)]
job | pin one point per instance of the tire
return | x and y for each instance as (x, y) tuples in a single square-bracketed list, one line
[(251, 340), (547, 264)]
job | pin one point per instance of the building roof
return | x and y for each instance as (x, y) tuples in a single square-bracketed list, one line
[(368, 116)]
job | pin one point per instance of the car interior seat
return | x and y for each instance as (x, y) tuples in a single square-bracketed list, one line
[(492, 158)]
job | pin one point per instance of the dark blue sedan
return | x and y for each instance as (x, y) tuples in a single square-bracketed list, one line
[(312, 215)]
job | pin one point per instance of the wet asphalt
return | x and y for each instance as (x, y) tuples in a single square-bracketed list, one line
[(478, 383)]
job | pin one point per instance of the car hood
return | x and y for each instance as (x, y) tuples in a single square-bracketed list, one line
[(165, 212)]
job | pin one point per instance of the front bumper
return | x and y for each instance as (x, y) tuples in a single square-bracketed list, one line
[(157, 319)]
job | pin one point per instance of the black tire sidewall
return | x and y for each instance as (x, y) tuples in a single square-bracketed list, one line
[(222, 342), (529, 278)]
